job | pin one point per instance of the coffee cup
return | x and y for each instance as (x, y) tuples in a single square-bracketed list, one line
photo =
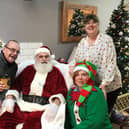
[(6, 82)]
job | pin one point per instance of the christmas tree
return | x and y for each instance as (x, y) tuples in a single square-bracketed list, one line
[(0, 44), (76, 27), (119, 30)]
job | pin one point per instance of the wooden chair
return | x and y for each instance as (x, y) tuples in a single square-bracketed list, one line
[(122, 105)]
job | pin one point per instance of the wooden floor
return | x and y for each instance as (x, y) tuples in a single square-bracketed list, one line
[(118, 127)]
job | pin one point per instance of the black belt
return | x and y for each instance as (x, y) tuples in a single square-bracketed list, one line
[(36, 99)]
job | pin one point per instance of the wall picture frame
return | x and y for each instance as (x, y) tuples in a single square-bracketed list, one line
[(66, 15)]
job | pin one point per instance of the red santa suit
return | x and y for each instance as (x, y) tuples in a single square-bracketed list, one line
[(54, 83), (30, 83)]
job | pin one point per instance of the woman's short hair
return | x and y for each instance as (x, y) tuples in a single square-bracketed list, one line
[(91, 17)]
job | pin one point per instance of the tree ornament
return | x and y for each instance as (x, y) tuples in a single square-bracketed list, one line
[(120, 33), (126, 46), (113, 26), (118, 43), (127, 21), (125, 57)]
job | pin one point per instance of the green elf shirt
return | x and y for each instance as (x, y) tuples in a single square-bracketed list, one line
[(91, 114)]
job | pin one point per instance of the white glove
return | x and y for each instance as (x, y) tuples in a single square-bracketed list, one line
[(50, 112)]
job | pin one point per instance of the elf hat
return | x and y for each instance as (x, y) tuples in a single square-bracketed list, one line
[(13, 92), (46, 50), (88, 86), (86, 66)]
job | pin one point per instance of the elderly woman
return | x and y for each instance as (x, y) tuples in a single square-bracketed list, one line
[(99, 49), (86, 105)]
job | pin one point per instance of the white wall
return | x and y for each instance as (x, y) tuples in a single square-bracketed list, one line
[(27, 51), (40, 21)]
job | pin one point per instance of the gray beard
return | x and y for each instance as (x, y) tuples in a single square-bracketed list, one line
[(43, 68)]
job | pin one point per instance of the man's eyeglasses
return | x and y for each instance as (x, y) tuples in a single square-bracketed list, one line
[(46, 56), (13, 50)]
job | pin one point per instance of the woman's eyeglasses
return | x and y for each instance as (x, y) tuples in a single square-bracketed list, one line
[(13, 50)]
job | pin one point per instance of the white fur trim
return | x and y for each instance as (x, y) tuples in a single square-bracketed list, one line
[(60, 96), (76, 113), (80, 68), (38, 84), (19, 126), (14, 93), (42, 50), (29, 107), (52, 56)]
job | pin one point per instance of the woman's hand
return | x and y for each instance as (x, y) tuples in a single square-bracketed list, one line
[(102, 87)]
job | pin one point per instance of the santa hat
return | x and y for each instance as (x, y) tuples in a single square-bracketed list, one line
[(14, 93), (88, 86), (81, 66), (46, 50)]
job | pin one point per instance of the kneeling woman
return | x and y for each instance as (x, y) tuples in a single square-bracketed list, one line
[(86, 105)]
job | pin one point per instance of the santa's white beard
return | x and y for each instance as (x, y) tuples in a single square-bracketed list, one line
[(43, 68)]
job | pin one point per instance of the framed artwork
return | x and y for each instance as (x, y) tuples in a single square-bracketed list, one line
[(71, 17)]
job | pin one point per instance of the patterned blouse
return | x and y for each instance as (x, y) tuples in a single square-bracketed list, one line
[(103, 55)]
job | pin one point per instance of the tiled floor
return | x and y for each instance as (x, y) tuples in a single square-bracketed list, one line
[(118, 127)]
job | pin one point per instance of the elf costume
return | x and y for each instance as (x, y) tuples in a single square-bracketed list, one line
[(87, 109)]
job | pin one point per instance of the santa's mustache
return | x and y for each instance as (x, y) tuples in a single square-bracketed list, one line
[(44, 62)]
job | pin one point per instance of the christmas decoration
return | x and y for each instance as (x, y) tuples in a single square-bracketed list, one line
[(76, 27), (0, 44), (119, 30)]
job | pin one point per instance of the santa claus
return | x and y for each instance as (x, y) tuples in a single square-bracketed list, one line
[(36, 83)]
